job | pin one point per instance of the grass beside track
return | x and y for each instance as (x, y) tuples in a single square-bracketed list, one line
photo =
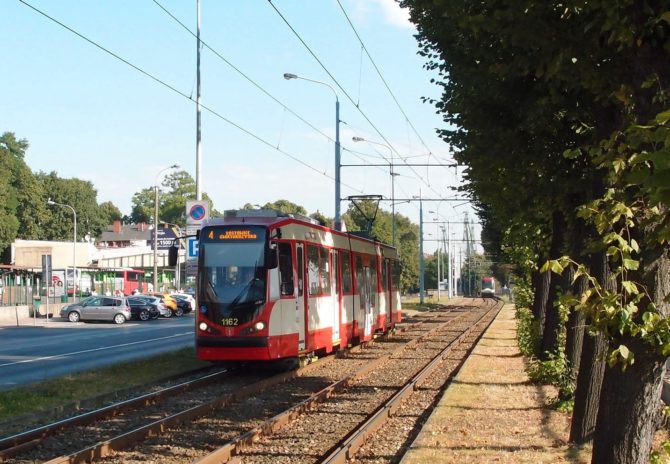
[(64, 390)]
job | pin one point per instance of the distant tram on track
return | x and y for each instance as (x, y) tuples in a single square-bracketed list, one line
[(488, 287), (276, 286)]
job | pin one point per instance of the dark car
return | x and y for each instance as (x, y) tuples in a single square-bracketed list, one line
[(157, 302), (143, 309), (184, 302)]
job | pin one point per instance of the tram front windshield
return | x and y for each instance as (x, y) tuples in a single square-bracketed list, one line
[(232, 274)]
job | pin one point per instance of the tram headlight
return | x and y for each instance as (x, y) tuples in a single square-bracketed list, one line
[(260, 325), (203, 326)]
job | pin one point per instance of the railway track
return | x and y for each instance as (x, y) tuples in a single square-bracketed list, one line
[(235, 408)]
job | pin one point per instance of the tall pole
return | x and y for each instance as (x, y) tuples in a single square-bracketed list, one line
[(450, 292), (439, 276), (392, 201), (155, 274), (338, 217), (198, 147), (421, 263)]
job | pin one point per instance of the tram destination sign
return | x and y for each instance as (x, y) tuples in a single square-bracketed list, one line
[(240, 234)]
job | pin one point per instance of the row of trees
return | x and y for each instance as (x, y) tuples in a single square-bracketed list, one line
[(560, 111), (24, 213)]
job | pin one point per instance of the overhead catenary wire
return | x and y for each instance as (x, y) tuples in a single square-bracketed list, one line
[(365, 116), (243, 74), (179, 92), (379, 73)]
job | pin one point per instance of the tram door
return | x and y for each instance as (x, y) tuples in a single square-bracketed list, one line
[(335, 292), (366, 300), (300, 302)]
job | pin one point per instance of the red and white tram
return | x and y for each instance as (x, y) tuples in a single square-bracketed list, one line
[(274, 286)]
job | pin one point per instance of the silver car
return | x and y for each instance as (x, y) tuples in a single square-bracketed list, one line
[(98, 308)]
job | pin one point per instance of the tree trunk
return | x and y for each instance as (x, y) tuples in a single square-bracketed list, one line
[(552, 322), (630, 400), (576, 319), (540, 282), (629, 405), (591, 368), (575, 326), (587, 393)]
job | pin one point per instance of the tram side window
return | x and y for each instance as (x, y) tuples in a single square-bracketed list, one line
[(324, 267), (301, 269), (385, 275), (359, 276), (396, 274), (346, 272), (373, 277), (285, 269), (313, 270)]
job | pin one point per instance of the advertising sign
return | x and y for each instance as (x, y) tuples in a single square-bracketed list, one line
[(58, 283), (166, 237)]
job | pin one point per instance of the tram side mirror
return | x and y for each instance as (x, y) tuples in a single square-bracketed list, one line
[(271, 259), (173, 255)]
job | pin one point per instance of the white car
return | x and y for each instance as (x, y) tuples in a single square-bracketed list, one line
[(185, 297)]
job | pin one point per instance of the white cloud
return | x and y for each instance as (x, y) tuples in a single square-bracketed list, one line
[(394, 14)]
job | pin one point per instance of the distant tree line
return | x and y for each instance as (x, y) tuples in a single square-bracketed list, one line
[(24, 213)]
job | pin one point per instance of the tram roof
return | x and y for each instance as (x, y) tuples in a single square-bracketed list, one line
[(272, 216)]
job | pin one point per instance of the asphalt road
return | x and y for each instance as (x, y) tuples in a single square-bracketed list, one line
[(32, 353)]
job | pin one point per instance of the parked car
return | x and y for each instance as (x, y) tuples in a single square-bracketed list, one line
[(98, 308), (170, 302), (187, 302), (143, 309), (156, 301)]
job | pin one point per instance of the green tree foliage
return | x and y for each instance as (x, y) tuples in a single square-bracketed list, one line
[(554, 106), (11, 152), (110, 212), (77, 193), (175, 189), (143, 206)]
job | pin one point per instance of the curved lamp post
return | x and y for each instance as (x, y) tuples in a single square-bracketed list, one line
[(155, 279), (338, 218), (74, 246)]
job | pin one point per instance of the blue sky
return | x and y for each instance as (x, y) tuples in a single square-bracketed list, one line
[(90, 116)]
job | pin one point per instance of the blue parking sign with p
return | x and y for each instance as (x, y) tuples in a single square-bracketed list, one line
[(192, 247)]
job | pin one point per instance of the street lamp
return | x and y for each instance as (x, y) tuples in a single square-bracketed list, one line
[(421, 262), (338, 218), (50, 202), (174, 166), (393, 174)]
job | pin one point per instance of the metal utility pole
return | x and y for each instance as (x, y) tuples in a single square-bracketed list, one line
[(198, 146), (421, 263)]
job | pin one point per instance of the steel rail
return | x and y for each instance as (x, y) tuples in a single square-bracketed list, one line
[(234, 447), (18, 443), (350, 445), (103, 449)]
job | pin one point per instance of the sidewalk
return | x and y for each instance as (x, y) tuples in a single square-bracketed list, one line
[(491, 413)]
